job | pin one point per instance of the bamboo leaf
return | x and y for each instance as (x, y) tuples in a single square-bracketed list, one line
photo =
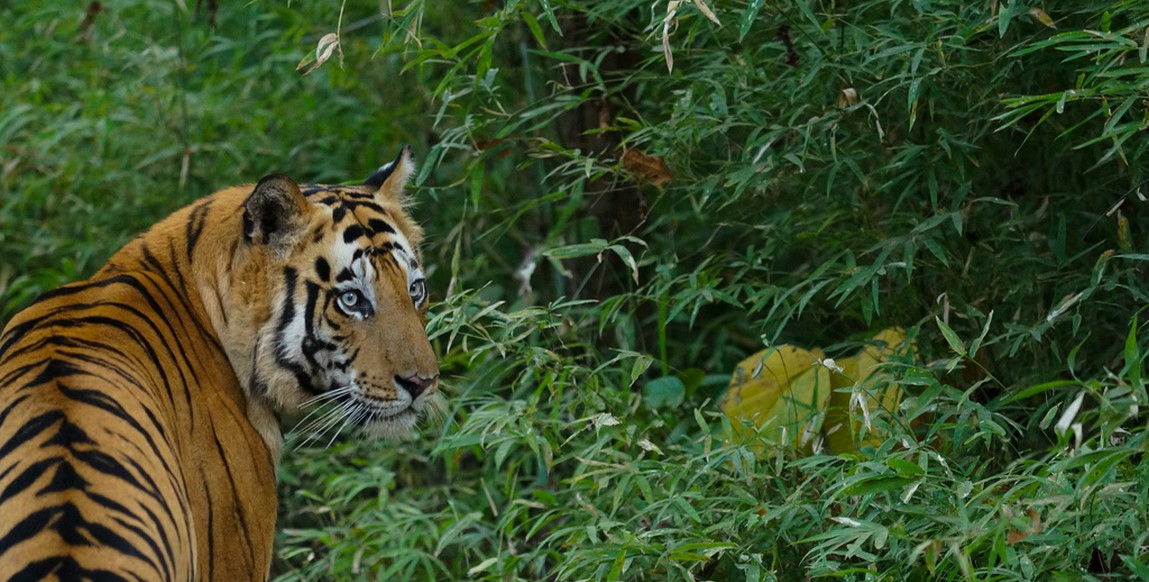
[(951, 338)]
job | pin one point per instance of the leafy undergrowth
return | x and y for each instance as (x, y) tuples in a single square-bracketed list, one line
[(567, 470)]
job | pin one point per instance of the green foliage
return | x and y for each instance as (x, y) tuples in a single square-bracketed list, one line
[(963, 170)]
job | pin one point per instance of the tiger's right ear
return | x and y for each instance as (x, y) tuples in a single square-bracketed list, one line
[(392, 178), (273, 210)]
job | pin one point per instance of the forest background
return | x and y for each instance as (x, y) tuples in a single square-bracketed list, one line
[(624, 199)]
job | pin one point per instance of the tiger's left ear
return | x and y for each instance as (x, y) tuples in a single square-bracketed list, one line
[(392, 178), (274, 212)]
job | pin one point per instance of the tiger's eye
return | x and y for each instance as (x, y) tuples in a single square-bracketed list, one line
[(350, 299), (418, 289)]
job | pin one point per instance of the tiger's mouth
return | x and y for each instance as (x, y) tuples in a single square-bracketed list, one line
[(350, 408), (376, 417), (375, 420)]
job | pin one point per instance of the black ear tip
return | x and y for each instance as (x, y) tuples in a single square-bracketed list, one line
[(376, 180), (406, 153)]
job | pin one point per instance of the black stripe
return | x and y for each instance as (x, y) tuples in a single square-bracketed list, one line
[(244, 526), (179, 289), (12, 406), (195, 224), (156, 427), (378, 225), (69, 436), (158, 367), (27, 477), (53, 370), (183, 292), (81, 287), (312, 346), (25, 529), (70, 524), (98, 399), (18, 331), (210, 530), (165, 554), (144, 343), (65, 479), (353, 195), (65, 569), (103, 402), (356, 204), (153, 489), (309, 308), (16, 372), (30, 430), (353, 233), (323, 269), (222, 305), (290, 277)]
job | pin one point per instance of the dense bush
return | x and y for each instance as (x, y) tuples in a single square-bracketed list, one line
[(624, 200)]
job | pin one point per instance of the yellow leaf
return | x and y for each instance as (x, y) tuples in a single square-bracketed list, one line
[(782, 392), (1042, 17), (862, 389)]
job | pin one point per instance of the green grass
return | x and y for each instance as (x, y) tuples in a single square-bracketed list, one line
[(984, 190)]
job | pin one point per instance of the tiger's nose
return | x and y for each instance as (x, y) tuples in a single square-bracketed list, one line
[(416, 384)]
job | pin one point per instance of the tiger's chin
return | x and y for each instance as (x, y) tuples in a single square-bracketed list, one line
[(390, 427), (394, 425)]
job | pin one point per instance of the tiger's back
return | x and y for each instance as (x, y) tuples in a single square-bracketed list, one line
[(139, 410)]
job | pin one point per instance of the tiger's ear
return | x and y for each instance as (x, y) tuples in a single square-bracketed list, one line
[(391, 178), (273, 210)]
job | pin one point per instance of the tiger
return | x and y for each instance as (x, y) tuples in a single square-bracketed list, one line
[(142, 410)]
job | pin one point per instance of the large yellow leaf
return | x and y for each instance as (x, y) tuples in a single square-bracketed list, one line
[(782, 391), (861, 390)]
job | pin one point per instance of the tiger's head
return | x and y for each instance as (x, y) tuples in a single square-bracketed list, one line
[(332, 302)]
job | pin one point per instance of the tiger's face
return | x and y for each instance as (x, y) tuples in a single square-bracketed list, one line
[(345, 326)]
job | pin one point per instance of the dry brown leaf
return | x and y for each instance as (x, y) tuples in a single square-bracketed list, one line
[(671, 12), (706, 11), (847, 97), (650, 169), (486, 144), (1035, 527), (323, 51), (1035, 519)]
